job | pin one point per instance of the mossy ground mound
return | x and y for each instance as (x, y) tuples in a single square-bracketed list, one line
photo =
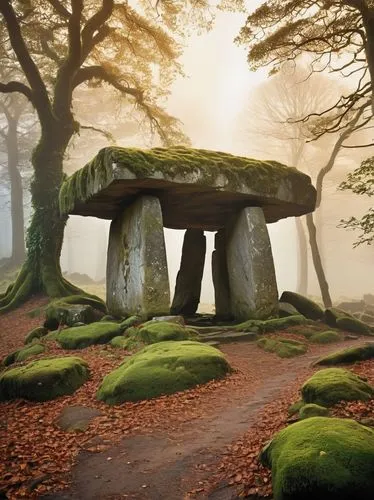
[(331, 385), (84, 336), (44, 379), (284, 348), (119, 342), (327, 337), (161, 331), (305, 306), (23, 354), (36, 333), (350, 355), (163, 368), (354, 325), (312, 410), (322, 458), (271, 325), (73, 309)]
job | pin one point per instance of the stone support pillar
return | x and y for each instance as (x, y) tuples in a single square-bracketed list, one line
[(253, 287), (137, 274), (188, 284), (220, 277)]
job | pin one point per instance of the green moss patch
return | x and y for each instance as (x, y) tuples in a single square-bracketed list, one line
[(284, 348), (271, 325), (327, 337), (161, 331), (334, 313), (44, 379), (322, 458), (119, 342), (350, 355), (23, 354), (354, 325), (163, 368), (84, 336), (36, 333), (305, 306), (331, 385), (312, 410), (129, 322), (73, 309)]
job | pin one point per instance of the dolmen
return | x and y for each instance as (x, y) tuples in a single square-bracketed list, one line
[(142, 191)]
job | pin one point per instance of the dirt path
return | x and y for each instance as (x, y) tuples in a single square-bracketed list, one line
[(167, 465)]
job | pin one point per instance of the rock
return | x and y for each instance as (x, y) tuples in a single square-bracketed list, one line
[(73, 309), (226, 337), (352, 307), (353, 325), (271, 325), (284, 348), (84, 336), (36, 333), (331, 385), (350, 355), (321, 458), (351, 337), (304, 305), (108, 317), (76, 418), (220, 277), (368, 319), (163, 368), (137, 273), (332, 314), (119, 342), (311, 410), (161, 331), (286, 309), (170, 319), (24, 353), (189, 277), (44, 379), (327, 337), (253, 287)]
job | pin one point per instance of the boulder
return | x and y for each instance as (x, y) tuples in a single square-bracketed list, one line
[(130, 321), (332, 314), (24, 353), (163, 368), (321, 458), (353, 325), (36, 333), (304, 305), (350, 355), (160, 331), (286, 309), (271, 325), (44, 379), (284, 348), (84, 336), (312, 410), (327, 337), (73, 309), (331, 385), (120, 342)]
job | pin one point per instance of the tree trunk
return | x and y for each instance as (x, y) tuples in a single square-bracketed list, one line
[(16, 195), (302, 266), (317, 261)]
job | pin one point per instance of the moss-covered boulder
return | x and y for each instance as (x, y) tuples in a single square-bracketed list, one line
[(120, 342), (286, 309), (129, 322), (44, 379), (36, 333), (73, 309), (83, 336), (23, 354), (332, 314), (312, 410), (322, 459), (284, 348), (350, 355), (271, 325), (304, 305), (161, 331), (327, 337), (354, 325), (163, 368), (331, 385)]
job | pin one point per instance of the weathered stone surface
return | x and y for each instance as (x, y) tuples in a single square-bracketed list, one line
[(170, 319), (197, 188), (76, 418), (221, 277), (137, 275), (188, 285), (253, 286)]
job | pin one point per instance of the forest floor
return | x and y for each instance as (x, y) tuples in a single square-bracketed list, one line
[(202, 443)]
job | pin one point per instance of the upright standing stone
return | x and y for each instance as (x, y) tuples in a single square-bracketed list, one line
[(137, 274), (221, 277), (253, 286), (188, 284)]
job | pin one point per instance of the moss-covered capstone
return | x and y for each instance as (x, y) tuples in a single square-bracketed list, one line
[(228, 183), (24, 353), (304, 305), (83, 336), (354, 325), (163, 368), (350, 355), (36, 333), (327, 337), (322, 458), (44, 379), (284, 348), (331, 385), (312, 410)]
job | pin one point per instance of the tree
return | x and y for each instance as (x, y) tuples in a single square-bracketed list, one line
[(59, 47)]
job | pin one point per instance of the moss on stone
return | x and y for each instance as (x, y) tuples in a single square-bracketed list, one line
[(354, 325), (36, 333), (119, 342), (284, 348), (322, 458), (73, 309), (163, 368), (129, 322), (312, 410), (296, 407), (331, 385), (332, 314), (22, 354), (84, 336), (327, 337), (44, 379), (271, 325), (350, 355), (304, 305), (160, 331)]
